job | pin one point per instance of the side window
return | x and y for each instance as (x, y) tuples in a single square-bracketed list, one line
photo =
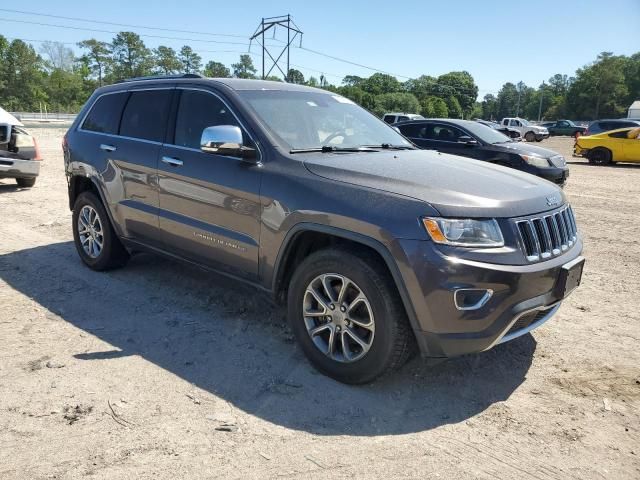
[(403, 119), (390, 118), (622, 134), (145, 115), (563, 124), (197, 111), (412, 130), (104, 116), (445, 133)]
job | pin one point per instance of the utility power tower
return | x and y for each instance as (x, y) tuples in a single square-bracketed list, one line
[(271, 23)]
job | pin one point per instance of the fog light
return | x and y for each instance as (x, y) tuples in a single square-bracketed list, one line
[(471, 298)]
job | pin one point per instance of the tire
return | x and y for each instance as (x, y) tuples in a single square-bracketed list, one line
[(88, 210), (388, 337), (599, 156), (26, 182), (529, 136)]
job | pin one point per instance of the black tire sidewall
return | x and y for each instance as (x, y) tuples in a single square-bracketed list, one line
[(369, 280), (104, 260), (26, 182)]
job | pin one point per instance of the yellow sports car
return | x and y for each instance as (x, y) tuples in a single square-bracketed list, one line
[(622, 145)]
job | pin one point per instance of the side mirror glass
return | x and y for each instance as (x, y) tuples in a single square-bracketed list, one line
[(225, 140), (5, 133), (467, 140)]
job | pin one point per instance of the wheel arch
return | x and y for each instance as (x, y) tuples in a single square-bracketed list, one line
[(85, 183), (297, 245)]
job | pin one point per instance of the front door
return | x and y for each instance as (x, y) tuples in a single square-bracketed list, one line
[(209, 204)]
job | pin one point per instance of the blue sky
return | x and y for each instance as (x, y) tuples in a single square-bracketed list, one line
[(495, 41)]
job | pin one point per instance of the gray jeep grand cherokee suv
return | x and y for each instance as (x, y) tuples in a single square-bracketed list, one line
[(375, 246)]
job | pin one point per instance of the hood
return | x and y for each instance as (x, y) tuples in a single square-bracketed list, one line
[(455, 186), (528, 149), (6, 117)]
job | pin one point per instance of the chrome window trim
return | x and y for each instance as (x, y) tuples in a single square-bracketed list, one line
[(153, 142), (242, 125), (124, 90)]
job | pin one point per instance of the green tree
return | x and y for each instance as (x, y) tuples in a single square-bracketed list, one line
[(312, 81), (395, 102), (22, 74), (421, 87), (98, 57), (489, 107), (131, 58), (244, 68), (191, 62), (460, 85), (507, 101), (216, 70), (352, 81), (295, 76), (166, 60), (58, 56), (599, 89), (380, 83), (453, 106)]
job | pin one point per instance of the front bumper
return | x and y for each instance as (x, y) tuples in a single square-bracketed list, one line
[(542, 136), (17, 168), (524, 297)]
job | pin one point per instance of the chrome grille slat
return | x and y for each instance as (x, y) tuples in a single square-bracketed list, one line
[(547, 235)]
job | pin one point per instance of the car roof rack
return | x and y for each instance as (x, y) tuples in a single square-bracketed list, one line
[(161, 77)]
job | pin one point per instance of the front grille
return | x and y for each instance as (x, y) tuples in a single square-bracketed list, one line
[(526, 320), (548, 235)]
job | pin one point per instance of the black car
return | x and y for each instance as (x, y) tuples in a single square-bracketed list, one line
[(474, 140), (599, 126)]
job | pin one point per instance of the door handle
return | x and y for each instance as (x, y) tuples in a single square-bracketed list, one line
[(107, 148), (174, 162)]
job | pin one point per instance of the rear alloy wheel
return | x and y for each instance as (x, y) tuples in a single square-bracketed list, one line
[(347, 316), (529, 136), (94, 237), (600, 156)]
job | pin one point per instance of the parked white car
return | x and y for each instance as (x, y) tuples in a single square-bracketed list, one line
[(400, 117), (19, 153), (528, 131)]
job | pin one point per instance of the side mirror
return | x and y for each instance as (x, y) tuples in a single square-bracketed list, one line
[(5, 133), (225, 140), (467, 140)]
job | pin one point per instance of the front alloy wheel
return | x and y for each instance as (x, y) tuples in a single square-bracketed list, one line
[(338, 317)]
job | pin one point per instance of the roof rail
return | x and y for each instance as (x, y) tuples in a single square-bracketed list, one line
[(161, 77)]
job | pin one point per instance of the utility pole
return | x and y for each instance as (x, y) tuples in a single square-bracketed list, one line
[(540, 106), (520, 85), (271, 23)]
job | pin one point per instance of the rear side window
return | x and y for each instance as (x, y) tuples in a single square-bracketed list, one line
[(145, 115), (413, 130), (197, 111), (389, 118), (105, 114), (403, 119), (622, 134)]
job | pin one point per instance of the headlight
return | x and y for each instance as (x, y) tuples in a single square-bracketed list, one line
[(464, 232), (535, 160)]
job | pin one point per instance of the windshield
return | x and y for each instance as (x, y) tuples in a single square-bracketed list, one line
[(524, 122), (308, 120), (486, 134)]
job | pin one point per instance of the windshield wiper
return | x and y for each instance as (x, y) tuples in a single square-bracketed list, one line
[(331, 149), (389, 146)]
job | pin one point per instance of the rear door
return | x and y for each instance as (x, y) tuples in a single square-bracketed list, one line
[(135, 157), (631, 146), (209, 204), (120, 134)]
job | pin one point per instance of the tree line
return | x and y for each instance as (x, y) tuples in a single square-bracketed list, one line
[(55, 78)]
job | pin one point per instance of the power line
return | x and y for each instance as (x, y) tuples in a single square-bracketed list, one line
[(114, 32), (120, 24)]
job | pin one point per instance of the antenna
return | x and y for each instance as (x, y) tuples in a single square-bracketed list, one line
[(265, 25)]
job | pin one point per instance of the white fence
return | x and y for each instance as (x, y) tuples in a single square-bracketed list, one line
[(44, 117)]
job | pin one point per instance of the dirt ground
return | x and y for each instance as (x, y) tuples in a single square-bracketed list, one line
[(162, 371)]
